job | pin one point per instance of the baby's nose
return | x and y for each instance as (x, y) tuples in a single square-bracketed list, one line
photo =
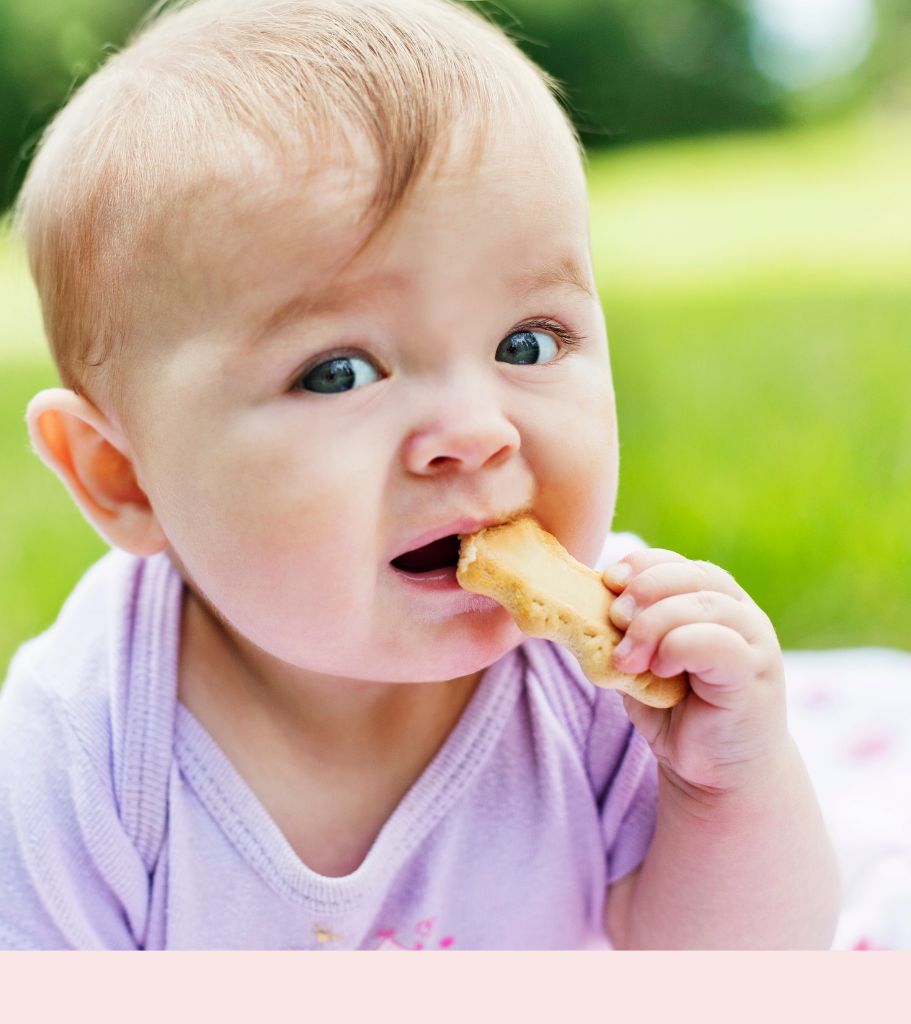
[(463, 440)]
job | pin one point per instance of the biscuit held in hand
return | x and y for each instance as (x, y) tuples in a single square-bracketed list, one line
[(553, 596)]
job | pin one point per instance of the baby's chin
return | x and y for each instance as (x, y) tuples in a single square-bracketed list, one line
[(399, 648), (464, 645)]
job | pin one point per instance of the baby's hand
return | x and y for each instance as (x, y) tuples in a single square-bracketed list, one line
[(685, 616)]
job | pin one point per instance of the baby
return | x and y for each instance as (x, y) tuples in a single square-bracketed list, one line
[(317, 278)]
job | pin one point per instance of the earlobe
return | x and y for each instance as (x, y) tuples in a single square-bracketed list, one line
[(92, 458)]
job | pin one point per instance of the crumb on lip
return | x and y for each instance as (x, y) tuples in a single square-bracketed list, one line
[(468, 548)]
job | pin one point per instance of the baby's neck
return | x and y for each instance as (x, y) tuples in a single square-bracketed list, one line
[(234, 689), (328, 765)]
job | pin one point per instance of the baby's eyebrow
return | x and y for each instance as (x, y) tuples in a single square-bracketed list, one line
[(341, 295), (567, 271), (333, 298)]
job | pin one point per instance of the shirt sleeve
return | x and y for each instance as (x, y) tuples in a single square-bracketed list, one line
[(69, 876), (624, 774)]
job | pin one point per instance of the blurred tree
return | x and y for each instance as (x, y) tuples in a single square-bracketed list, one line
[(632, 69), (642, 69), (46, 48)]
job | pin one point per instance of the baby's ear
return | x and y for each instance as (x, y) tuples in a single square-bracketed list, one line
[(91, 456)]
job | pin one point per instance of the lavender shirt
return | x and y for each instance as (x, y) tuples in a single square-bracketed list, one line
[(124, 826)]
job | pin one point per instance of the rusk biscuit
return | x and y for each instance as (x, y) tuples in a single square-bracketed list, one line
[(551, 595)]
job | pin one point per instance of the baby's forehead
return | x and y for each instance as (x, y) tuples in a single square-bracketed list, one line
[(260, 210), (337, 199), (305, 237)]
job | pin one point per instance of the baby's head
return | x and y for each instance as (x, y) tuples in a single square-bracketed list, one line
[(317, 279)]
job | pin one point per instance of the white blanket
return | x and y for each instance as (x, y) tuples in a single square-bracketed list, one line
[(850, 713)]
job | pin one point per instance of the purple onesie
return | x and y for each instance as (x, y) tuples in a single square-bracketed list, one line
[(124, 826)]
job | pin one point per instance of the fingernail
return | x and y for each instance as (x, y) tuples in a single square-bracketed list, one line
[(619, 572), (623, 608), (623, 648)]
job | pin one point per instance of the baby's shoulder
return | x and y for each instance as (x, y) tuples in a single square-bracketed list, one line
[(90, 646), (102, 677), (69, 659)]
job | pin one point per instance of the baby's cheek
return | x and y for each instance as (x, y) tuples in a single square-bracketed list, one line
[(280, 567), (305, 617), (578, 491)]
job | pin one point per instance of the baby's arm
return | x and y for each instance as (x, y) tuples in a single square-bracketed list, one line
[(740, 857)]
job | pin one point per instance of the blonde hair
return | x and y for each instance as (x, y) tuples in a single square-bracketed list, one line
[(213, 81)]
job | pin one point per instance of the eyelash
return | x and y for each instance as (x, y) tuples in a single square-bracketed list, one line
[(569, 339), (568, 336)]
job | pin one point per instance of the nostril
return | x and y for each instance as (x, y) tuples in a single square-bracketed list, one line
[(501, 456), (447, 461)]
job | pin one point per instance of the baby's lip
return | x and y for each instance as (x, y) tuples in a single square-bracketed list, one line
[(454, 527)]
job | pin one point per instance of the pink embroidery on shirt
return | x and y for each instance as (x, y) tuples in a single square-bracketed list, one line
[(389, 941)]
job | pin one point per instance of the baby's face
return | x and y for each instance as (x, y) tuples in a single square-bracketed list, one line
[(298, 426)]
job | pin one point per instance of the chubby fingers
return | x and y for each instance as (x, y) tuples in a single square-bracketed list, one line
[(681, 615), (718, 659), (618, 575), (652, 581), (654, 573), (651, 641)]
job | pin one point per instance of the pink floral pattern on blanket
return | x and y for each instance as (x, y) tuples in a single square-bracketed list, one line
[(850, 713)]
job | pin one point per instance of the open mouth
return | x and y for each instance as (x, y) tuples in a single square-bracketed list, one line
[(441, 554)]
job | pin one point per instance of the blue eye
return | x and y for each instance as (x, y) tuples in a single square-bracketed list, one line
[(344, 373), (527, 348)]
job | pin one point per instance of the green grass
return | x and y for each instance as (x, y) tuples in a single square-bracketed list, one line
[(758, 304), (801, 212), (758, 300), (773, 435)]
